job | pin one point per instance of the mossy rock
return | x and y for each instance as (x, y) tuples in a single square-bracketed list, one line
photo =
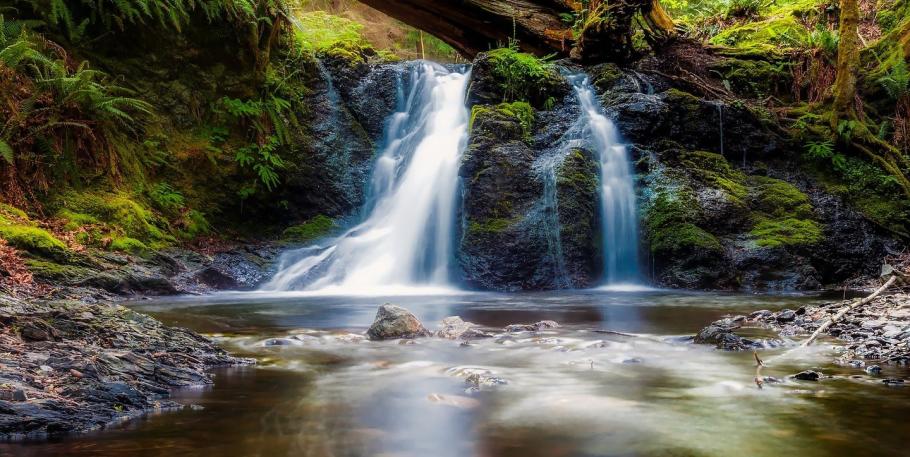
[(779, 199), (313, 229), (129, 245), (774, 233), (522, 112), (755, 78), (770, 35), (514, 76), (52, 271), (713, 169), (124, 215), (489, 226), (33, 240), (605, 76)]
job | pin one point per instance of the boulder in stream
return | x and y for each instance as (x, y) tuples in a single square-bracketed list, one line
[(393, 321), (454, 328)]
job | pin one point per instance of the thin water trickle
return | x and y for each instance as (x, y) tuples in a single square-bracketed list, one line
[(406, 236), (617, 192)]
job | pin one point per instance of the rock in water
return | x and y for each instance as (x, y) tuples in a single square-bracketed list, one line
[(454, 328), (395, 322), (808, 375)]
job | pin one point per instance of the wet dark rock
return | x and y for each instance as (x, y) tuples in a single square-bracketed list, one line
[(760, 314), (393, 322), (720, 334), (479, 381), (807, 375), (535, 327), (874, 370), (894, 382), (103, 364), (786, 316)]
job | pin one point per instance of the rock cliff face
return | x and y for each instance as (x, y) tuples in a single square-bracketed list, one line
[(725, 201)]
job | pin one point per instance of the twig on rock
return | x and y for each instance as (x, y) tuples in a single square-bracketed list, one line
[(758, 366)]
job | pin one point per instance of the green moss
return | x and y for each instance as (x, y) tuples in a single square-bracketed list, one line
[(754, 78), (669, 224), (606, 75), (781, 30), (523, 112), (713, 169), (489, 226), (774, 233), (75, 221), (683, 238), (350, 52), (124, 215), (33, 240), (12, 211), (315, 228), (54, 271), (194, 224), (779, 199), (577, 171), (131, 245), (524, 77)]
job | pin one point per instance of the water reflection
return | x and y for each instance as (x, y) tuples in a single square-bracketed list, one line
[(583, 389)]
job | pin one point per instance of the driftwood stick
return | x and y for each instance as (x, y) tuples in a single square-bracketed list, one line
[(847, 309), (758, 366)]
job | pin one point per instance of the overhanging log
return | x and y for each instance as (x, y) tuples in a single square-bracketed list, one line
[(538, 26)]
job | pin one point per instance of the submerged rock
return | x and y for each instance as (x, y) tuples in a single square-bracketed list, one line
[(808, 375), (535, 327), (393, 321)]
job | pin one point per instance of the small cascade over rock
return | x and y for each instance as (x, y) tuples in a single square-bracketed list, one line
[(594, 130), (405, 239)]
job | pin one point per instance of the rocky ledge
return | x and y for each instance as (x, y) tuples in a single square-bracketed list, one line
[(875, 333), (71, 367)]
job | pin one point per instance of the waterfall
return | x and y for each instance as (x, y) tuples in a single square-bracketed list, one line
[(617, 188), (405, 238)]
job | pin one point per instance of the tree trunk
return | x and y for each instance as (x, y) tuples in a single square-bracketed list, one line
[(848, 50), (538, 26)]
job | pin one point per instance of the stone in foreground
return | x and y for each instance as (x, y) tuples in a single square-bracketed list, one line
[(395, 322)]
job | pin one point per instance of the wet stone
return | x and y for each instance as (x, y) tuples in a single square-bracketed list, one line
[(874, 370), (393, 322), (535, 327), (807, 375), (786, 315)]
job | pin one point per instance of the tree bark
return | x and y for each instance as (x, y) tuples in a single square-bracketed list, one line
[(848, 50), (538, 26)]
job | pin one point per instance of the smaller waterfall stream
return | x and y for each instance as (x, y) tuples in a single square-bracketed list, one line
[(617, 192), (405, 239)]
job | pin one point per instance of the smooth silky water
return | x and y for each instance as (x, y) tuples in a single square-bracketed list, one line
[(574, 391)]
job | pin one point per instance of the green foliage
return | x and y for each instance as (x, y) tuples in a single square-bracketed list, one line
[(896, 80), (522, 76), (166, 198), (315, 228), (62, 120), (824, 40), (264, 160), (319, 31), (110, 14), (744, 8)]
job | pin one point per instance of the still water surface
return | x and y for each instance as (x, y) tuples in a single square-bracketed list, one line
[(578, 390)]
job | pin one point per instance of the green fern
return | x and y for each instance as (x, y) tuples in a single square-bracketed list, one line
[(6, 152), (897, 81)]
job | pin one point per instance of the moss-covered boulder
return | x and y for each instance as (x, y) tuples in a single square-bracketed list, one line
[(578, 206), (507, 75)]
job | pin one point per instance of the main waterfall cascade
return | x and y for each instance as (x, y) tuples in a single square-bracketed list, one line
[(617, 187), (406, 237)]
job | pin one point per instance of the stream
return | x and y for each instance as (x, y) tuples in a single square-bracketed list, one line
[(576, 390)]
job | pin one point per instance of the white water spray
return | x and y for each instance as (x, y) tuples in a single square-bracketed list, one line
[(406, 237), (617, 187)]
